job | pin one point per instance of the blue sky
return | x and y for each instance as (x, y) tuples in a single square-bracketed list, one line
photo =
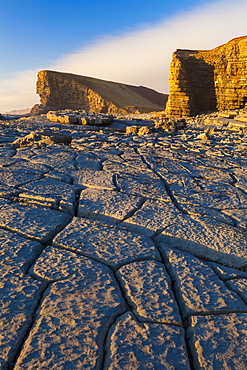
[(40, 31), (126, 41)]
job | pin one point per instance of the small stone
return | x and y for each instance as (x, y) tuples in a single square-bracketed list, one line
[(132, 130), (144, 130), (203, 136), (169, 126), (83, 121)]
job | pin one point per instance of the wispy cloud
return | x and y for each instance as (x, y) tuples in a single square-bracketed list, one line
[(18, 91), (143, 57)]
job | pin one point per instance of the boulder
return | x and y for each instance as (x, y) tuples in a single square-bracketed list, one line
[(47, 137)]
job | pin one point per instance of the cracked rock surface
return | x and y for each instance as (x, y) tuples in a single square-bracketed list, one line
[(121, 251)]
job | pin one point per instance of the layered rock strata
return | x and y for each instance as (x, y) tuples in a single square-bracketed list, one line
[(208, 80), (59, 90)]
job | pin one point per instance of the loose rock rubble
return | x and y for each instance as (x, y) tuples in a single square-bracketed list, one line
[(124, 250)]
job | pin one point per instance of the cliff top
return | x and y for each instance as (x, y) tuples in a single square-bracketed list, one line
[(235, 40)]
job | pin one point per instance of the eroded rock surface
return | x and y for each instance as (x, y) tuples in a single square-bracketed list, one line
[(124, 251)]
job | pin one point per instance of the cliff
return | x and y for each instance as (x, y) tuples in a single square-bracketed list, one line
[(207, 80), (59, 90)]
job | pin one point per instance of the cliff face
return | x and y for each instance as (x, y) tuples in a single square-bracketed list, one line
[(204, 80), (59, 90)]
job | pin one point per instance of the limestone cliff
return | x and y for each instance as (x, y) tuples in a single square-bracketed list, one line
[(205, 80), (59, 90)]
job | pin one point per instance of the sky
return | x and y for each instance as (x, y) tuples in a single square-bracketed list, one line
[(129, 41)]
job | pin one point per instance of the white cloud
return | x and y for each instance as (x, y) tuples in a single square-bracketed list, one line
[(18, 91), (143, 57)]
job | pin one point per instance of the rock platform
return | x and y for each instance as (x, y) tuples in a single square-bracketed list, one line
[(123, 251)]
